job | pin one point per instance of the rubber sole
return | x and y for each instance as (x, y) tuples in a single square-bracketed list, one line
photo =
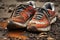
[(44, 29)]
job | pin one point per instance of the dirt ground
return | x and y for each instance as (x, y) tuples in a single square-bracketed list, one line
[(53, 34)]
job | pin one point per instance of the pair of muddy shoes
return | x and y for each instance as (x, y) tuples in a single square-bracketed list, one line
[(34, 18)]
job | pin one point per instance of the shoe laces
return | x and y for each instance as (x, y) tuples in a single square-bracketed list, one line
[(20, 8), (39, 14)]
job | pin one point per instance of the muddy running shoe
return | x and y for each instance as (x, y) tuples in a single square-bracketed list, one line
[(43, 18), (22, 14)]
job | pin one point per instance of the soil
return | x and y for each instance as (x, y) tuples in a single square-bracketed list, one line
[(53, 34)]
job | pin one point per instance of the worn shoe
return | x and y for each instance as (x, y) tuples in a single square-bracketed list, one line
[(43, 18), (22, 14)]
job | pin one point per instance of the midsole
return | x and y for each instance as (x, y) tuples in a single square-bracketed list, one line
[(44, 29), (21, 24)]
